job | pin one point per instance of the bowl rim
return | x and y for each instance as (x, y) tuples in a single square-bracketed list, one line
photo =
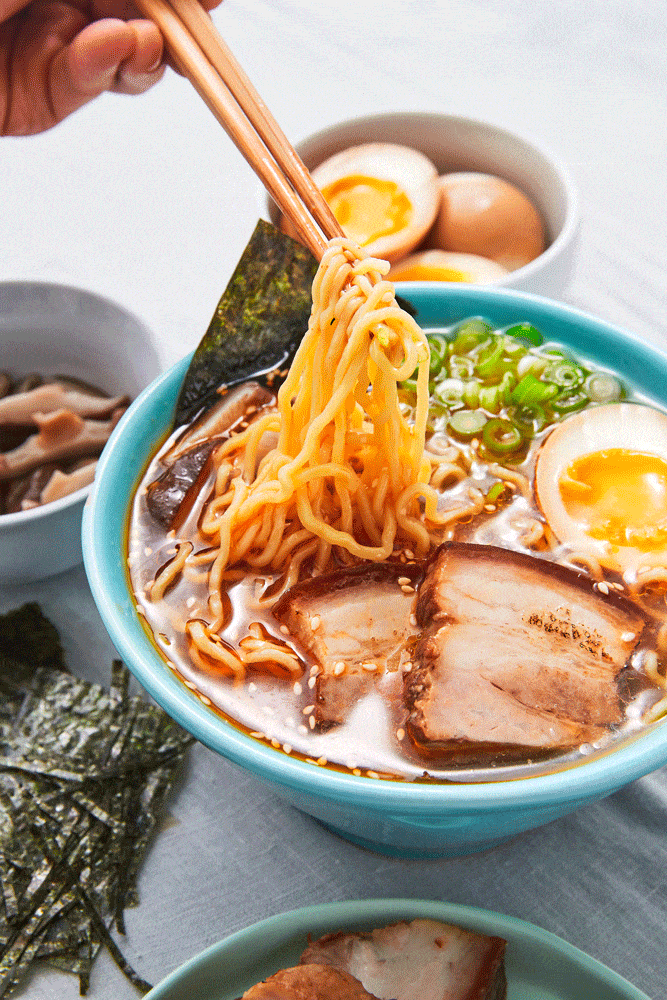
[(576, 783), (571, 221)]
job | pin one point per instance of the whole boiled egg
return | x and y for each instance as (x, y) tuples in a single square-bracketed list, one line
[(439, 265), (385, 196), (486, 215), (601, 483)]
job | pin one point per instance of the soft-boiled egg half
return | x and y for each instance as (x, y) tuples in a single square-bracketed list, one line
[(486, 215), (439, 265), (384, 196), (601, 483)]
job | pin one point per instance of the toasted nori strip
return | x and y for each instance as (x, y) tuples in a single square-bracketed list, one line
[(84, 776), (27, 635), (258, 323)]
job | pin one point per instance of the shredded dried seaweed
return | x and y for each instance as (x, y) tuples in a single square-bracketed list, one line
[(258, 323), (84, 775)]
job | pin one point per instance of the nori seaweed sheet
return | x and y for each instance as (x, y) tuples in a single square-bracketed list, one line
[(258, 323), (84, 776)]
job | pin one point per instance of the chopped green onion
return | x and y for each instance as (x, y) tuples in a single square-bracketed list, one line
[(496, 490), (534, 363), (529, 419), (526, 331), (467, 423), (471, 393), (438, 350), (530, 391), (490, 364), (569, 401), (470, 335), (603, 388), (449, 391), (515, 348), (565, 374), (506, 386), (501, 436), (490, 397), (461, 367)]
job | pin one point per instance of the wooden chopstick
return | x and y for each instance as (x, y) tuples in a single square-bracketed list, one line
[(201, 27), (271, 156)]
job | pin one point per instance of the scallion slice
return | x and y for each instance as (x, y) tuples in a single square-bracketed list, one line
[(501, 436), (603, 388), (467, 423)]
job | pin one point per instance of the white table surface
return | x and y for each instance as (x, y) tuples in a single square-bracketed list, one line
[(146, 201)]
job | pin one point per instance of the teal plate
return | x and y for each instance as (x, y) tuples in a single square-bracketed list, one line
[(539, 964)]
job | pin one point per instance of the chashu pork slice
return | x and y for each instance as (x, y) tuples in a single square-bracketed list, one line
[(309, 982), (418, 960), (354, 623), (517, 657)]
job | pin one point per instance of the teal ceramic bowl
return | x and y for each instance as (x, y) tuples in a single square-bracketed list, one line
[(538, 964), (401, 818)]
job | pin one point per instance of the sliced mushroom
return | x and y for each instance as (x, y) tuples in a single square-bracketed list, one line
[(62, 436), (20, 407)]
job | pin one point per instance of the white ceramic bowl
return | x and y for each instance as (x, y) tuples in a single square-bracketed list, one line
[(464, 144), (53, 329)]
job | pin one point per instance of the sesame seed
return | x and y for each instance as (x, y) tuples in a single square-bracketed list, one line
[(489, 507), (312, 681), (400, 734), (311, 721), (407, 589), (314, 671), (322, 761), (172, 533), (315, 622), (413, 619), (355, 770), (258, 735), (148, 550), (252, 686), (339, 668), (287, 748), (189, 684), (308, 709), (407, 666), (403, 580), (370, 667), (372, 774), (190, 601), (603, 587), (628, 636), (297, 688), (409, 553), (284, 629), (275, 743)]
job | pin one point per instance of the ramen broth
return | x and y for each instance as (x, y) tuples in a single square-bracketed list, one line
[(487, 477)]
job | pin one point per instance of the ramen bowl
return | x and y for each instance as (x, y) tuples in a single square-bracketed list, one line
[(456, 144), (57, 330), (403, 818)]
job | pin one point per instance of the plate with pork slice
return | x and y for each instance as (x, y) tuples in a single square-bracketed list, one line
[(393, 949)]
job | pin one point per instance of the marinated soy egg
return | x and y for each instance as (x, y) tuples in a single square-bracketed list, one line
[(384, 196), (486, 215), (439, 265)]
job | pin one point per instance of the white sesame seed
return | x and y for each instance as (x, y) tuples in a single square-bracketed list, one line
[(311, 721), (190, 601), (370, 667), (275, 743), (400, 734), (403, 580), (372, 774), (287, 748), (407, 589), (189, 684), (628, 636), (148, 550), (258, 735), (314, 671), (355, 770), (489, 507), (339, 668), (407, 666), (409, 553), (603, 587), (312, 681), (413, 619), (252, 686), (315, 622), (297, 688), (284, 629), (322, 761), (308, 709)]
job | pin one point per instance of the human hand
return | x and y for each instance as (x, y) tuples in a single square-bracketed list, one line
[(55, 55)]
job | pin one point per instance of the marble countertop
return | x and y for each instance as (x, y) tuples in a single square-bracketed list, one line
[(146, 201)]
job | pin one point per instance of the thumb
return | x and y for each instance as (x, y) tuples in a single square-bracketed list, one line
[(89, 65)]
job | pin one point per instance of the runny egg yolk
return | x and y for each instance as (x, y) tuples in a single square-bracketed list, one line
[(618, 496), (426, 272), (367, 207)]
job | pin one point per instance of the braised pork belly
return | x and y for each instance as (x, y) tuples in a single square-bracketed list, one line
[(355, 623), (418, 960), (517, 657), (309, 982)]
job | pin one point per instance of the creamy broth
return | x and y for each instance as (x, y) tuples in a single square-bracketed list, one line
[(373, 739)]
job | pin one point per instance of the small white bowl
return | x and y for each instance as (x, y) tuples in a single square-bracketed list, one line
[(463, 144), (53, 329)]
